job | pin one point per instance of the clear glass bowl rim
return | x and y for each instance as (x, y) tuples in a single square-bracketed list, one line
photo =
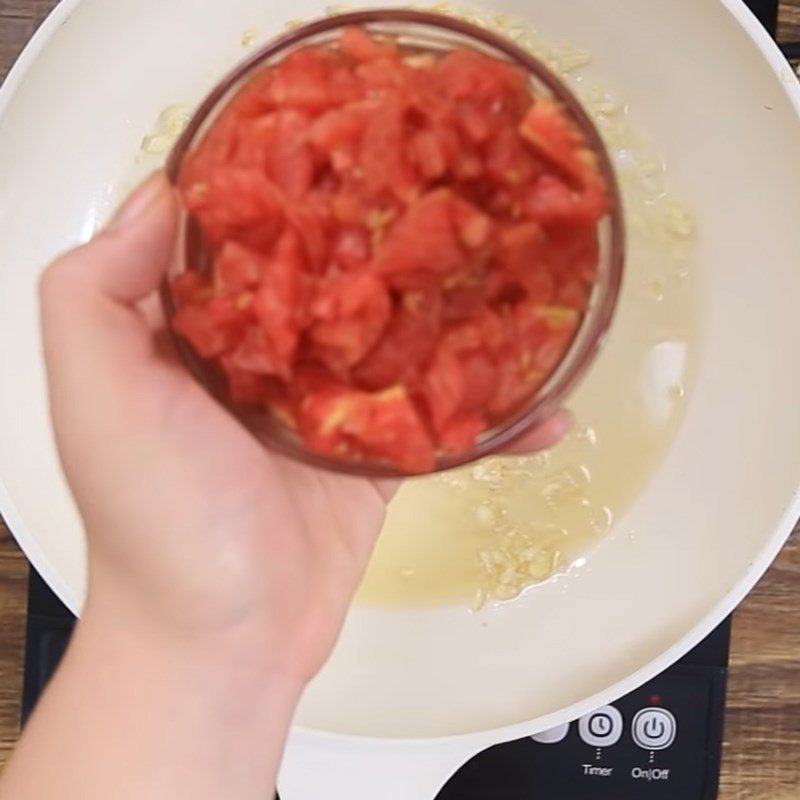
[(596, 322)]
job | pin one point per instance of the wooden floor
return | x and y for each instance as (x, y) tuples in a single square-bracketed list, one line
[(762, 741), (789, 21), (13, 603)]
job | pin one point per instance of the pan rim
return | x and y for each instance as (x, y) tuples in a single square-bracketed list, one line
[(474, 740)]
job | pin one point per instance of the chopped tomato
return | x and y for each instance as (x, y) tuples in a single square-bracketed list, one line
[(237, 268), (408, 342), (562, 325), (352, 248), (212, 329), (360, 46), (521, 248), (256, 354), (239, 204), (508, 161), (245, 387), (189, 287), (399, 246), (427, 153), (480, 380), (337, 134), (312, 226), (358, 424), (278, 303), (254, 99), (462, 432), (312, 79), (573, 293), (551, 201), (517, 381), (425, 239), (572, 251), (349, 315), (556, 137), (382, 161), (290, 159), (474, 228), (216, 148), (444, 388), (467, 74)]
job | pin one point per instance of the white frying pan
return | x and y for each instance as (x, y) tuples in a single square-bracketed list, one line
[(410, 696)]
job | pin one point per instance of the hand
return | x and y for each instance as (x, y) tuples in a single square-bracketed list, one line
[(219, 573), (193, 527)]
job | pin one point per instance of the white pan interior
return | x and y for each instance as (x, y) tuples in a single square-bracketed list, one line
[(720, 505)]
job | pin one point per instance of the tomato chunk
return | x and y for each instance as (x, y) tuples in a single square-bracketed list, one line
[(425, 239), (358, 424), (556, 137), (350, 315), (360, 46), (278, 303)]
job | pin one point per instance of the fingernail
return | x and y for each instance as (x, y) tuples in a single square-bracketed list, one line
[(566, 418), (136, 206)]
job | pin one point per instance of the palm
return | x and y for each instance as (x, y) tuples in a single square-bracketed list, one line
[(254, 537)]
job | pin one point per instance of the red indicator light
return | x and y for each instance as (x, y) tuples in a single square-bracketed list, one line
[(655, 699)]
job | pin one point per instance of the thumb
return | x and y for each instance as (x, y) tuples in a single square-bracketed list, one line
[(91, 324), (546, 435), (127, 261)]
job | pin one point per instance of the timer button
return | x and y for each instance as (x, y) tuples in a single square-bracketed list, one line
[(601, 728), (654, 729)]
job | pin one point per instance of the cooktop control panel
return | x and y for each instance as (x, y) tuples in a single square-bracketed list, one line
[(661, 742)]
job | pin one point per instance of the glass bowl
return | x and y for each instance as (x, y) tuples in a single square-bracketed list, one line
[(418, 30)]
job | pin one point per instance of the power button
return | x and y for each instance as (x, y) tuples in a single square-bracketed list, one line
[(601, 728), (654, 729)]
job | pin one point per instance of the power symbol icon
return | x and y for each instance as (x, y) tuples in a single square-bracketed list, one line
[(654, 729)]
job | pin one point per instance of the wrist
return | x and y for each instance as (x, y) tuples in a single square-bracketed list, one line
[(182, 701), (232, 660), (195, 618)]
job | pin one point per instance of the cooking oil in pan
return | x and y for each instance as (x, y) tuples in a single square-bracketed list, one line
[(487, 532)]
